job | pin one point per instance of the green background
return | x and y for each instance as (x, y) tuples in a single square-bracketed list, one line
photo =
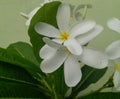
[(13, 28)]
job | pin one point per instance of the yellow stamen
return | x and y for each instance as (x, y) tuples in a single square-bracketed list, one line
[(117, 67), (64, 36)]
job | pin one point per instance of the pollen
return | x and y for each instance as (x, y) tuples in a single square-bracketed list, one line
[(117, 67), (64, 36)]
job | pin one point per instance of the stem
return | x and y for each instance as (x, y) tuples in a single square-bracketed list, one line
[(44, 82), (24, 15), (84, 12), (47, 85), (55, 95)]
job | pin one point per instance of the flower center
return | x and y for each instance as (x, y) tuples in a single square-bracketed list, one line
[(64, 36), (117, 67)]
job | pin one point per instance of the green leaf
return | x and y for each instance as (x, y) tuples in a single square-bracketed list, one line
[(17, 82), (8, 57), (106, 95), (89, 75), (45, 14), (24, 50)]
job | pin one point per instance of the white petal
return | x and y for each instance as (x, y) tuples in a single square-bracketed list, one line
[(53, 63), (31, 14), (72, 71), (85, 38), (113, 50), (81, 28), (47, 30), (28, 21), (46, 1), (73, 46), (114, 24), (52, 43), (63, 17), (116, 79), (47, 52), (58, 41), (94, 58)]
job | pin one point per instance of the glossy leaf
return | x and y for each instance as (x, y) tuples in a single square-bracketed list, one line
[(24, 50), (89, 76), (106, 95), (8, 57), (17, 82), (103, 82)]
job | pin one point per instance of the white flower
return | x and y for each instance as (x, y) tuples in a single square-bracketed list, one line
[(55, 55), (33, 12), (73, 38), (113, 52), (114, 24)]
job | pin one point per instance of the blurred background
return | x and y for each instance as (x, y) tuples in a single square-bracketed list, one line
[(13, 28)]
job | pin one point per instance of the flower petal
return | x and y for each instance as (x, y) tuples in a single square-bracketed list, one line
[(85, 38), (94, 58), (58, 41), (63, 17), (31, 14), (73, 46), (81, 28), (52, 43), (72, 71), (46, 1), (116, 79), (47, 52), (51, 64), (47, 30), (113, 50), (114, 24)]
